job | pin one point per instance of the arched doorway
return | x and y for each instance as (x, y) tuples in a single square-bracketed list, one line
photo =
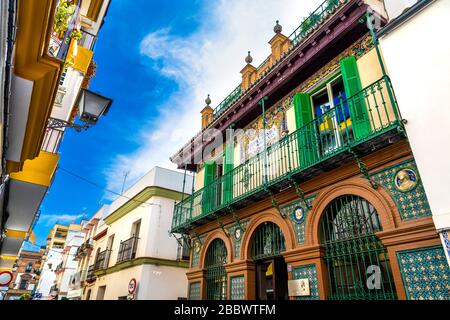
[(216, 275), (357, 262), (271, 270)]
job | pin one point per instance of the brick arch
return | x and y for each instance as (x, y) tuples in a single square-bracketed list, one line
[(217, 234), (269, 216), (379, 198)]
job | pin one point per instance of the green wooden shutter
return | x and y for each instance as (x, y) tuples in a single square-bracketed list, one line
[(228, 166), (305, 129), (208, 190), (356, 103)]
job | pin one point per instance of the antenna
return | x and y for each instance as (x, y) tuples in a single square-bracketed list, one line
[(125, 175)]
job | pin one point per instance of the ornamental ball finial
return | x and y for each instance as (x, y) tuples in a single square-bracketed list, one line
[(278, 28), (208, 100), (249, 58)]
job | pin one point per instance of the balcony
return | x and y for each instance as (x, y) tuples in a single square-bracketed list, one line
[(324, 143), (90, 276), (102, 260), (127, 249), (76, 280)]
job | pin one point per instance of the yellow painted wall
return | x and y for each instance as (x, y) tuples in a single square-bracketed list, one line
[(290, 119), (369, 72), (199, 179)]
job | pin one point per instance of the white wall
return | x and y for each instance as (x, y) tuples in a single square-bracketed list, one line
[(48, 276), (417, 57)]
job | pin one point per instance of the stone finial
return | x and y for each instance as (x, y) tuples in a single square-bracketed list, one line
[(249, 58), (278, 28), (208, 101)]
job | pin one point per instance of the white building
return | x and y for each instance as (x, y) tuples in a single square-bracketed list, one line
[(133, 243), (68, 266), (416, 52)]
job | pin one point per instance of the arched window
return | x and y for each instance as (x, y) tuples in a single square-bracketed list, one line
[(216, 276), (268, 242), (358, 266)]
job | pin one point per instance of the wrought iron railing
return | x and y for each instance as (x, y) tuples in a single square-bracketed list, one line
[(90, 276), (127, 249), (328, 135), (52, 140), (228, 101), (322, 12), (102, 260)]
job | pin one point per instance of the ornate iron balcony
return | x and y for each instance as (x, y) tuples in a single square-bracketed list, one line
[(303, 154)]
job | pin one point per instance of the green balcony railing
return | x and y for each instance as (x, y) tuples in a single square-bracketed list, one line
[(323, 11), (332, 133), (228, 101)]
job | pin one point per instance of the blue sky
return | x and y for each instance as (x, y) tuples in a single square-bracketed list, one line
[(158, 60)]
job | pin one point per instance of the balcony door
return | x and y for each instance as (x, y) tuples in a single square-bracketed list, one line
[(334, 127)]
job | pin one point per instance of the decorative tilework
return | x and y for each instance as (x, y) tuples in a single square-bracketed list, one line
[(307, 272), (194, 291), (237, 242), (196, 255), (445, 235), (412, 204), (425, 273), (237, 288), (299, 226)]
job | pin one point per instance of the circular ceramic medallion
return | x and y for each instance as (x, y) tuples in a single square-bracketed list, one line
[(197, 247), (299, 214), (405, 180), (238, 233)]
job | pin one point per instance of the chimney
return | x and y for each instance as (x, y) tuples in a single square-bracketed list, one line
[(207, 113), (248, 73), (279, 43)]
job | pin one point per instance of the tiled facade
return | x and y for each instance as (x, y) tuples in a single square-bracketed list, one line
[(308, 272), (237, 235), (194, 291), (425, 273), (237, 288), (412, 204), (298, 221)]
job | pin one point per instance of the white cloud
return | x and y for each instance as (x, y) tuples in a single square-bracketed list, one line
[(50, 220), (205, 62)]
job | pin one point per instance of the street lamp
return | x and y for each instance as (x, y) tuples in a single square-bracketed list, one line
[(91, 106)]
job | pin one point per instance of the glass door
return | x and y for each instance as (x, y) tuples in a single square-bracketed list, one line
[(332, 115)]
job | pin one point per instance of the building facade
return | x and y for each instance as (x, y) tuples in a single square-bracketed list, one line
[(416, 24), (317, 194), (26, 275), (46, 68), (53, 260), (132, 245)]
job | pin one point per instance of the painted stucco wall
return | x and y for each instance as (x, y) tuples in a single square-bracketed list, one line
[(416, 56)]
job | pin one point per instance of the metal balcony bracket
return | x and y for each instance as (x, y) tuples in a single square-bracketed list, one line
[(179, 239), (195, 235), (238, 221), (59, 124), (186, 241), (299, 191), (221, 225), (275, 203), (362, 167)]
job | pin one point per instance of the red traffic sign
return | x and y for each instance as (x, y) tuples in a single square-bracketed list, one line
[(5, 278), (132, 286)]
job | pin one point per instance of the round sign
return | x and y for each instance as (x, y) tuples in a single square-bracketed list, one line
[(132, 286), (405, 180), (5, 278), (299, 214), (238, 233)]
